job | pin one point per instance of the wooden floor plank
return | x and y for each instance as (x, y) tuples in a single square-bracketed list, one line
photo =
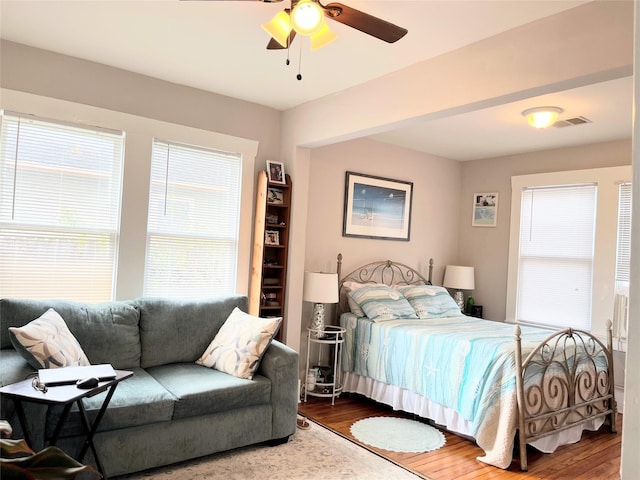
[(596, 456)]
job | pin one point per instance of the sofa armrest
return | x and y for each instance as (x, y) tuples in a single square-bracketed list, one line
[(280, 365)]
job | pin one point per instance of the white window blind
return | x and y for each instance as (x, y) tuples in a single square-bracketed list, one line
[(623, 257), (557, 229), (192, 233), (623, 261), (59, 209)]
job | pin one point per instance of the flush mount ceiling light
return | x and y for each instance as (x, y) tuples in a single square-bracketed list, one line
[(542, 117)]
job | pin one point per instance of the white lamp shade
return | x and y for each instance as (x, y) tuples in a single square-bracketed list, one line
[(459, 277), (320, 287)]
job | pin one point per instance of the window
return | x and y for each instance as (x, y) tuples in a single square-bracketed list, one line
[(557, 227), (60, 190), (549, 294), (192, 233), (623, 260)]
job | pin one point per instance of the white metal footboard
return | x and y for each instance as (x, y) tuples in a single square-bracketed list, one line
[(565, 381)]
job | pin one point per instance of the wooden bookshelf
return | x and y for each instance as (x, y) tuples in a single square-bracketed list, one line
[(267, 293)]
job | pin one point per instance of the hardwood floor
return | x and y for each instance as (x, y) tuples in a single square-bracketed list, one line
[(595, 457)]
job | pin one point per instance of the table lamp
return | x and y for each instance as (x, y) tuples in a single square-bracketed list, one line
[(319, 288), (459, 278)]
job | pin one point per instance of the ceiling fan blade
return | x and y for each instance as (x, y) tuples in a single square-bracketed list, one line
[(374, 26), (265, 1), (275, 45)]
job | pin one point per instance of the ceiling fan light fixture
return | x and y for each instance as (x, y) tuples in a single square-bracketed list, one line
[(279, 27), (307, 17), (542, 117), (322, 37)]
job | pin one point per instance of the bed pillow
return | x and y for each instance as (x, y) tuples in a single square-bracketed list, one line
[(239, 345), (380, 302), (47, 342), (353, 305), (430, 301)]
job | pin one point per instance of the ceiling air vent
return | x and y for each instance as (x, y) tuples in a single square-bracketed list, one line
[(571, 122)]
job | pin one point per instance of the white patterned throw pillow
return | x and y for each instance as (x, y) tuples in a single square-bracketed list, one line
[(380, 302), (47, 342), (240, 344), (431, 301)]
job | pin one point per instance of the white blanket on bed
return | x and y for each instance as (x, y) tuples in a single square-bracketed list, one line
[(464, 364)]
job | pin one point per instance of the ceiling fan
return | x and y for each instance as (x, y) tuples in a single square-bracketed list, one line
[(306, 17)]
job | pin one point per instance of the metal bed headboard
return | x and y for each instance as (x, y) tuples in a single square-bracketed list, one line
[(387, 272)]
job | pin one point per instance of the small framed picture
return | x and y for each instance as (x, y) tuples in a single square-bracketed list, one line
[(275, 172), (271, 237), (271, 219), (485, 209), (275, 196)]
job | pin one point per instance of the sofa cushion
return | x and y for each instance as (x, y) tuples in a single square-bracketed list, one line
[(200, 390), (175, 331), (138, 400), (107, 332), (46, 342), (240, 344)]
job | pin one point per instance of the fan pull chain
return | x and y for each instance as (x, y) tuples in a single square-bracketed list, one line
[(299, 76)]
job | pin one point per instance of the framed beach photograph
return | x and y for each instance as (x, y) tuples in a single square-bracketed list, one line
[(485, 209), (271, 237), (377, 207), (275, 172)]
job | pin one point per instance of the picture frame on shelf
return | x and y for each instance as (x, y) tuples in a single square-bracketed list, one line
[(275, 196), (271, 219), (485, 209), (275, 172), (377, 207), (271, 237)]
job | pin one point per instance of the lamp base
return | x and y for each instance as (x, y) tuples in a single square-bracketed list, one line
[(317, 321), (459, 298)]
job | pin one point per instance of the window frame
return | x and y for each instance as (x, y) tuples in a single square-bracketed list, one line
[(42, 218), (603, 283), (161, 232), (140, 132)]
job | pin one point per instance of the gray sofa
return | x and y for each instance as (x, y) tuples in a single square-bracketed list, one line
[(171, 409)]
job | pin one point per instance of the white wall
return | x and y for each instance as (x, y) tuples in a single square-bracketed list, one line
[(434, 222), (630, 467)]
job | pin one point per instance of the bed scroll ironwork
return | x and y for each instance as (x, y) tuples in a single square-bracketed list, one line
[(569, 381), (386, 272)]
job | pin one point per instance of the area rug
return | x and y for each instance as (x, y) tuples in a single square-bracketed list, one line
[(398, 434), (316, 453)]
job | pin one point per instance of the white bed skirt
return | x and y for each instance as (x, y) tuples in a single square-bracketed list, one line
[(407, 401)]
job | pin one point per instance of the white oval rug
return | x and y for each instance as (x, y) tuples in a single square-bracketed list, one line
[(397, 434)]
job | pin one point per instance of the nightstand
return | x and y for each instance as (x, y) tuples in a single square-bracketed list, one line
[(329, 384)]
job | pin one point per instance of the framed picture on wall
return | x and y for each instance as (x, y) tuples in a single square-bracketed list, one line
[(485, 209), (377, 207)]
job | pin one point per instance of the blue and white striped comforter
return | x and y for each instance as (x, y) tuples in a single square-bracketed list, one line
[(463, 363)]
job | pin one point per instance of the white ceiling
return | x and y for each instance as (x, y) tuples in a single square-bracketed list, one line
[(219, 46)]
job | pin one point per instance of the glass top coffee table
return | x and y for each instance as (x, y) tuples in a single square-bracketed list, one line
[(65, 395)]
